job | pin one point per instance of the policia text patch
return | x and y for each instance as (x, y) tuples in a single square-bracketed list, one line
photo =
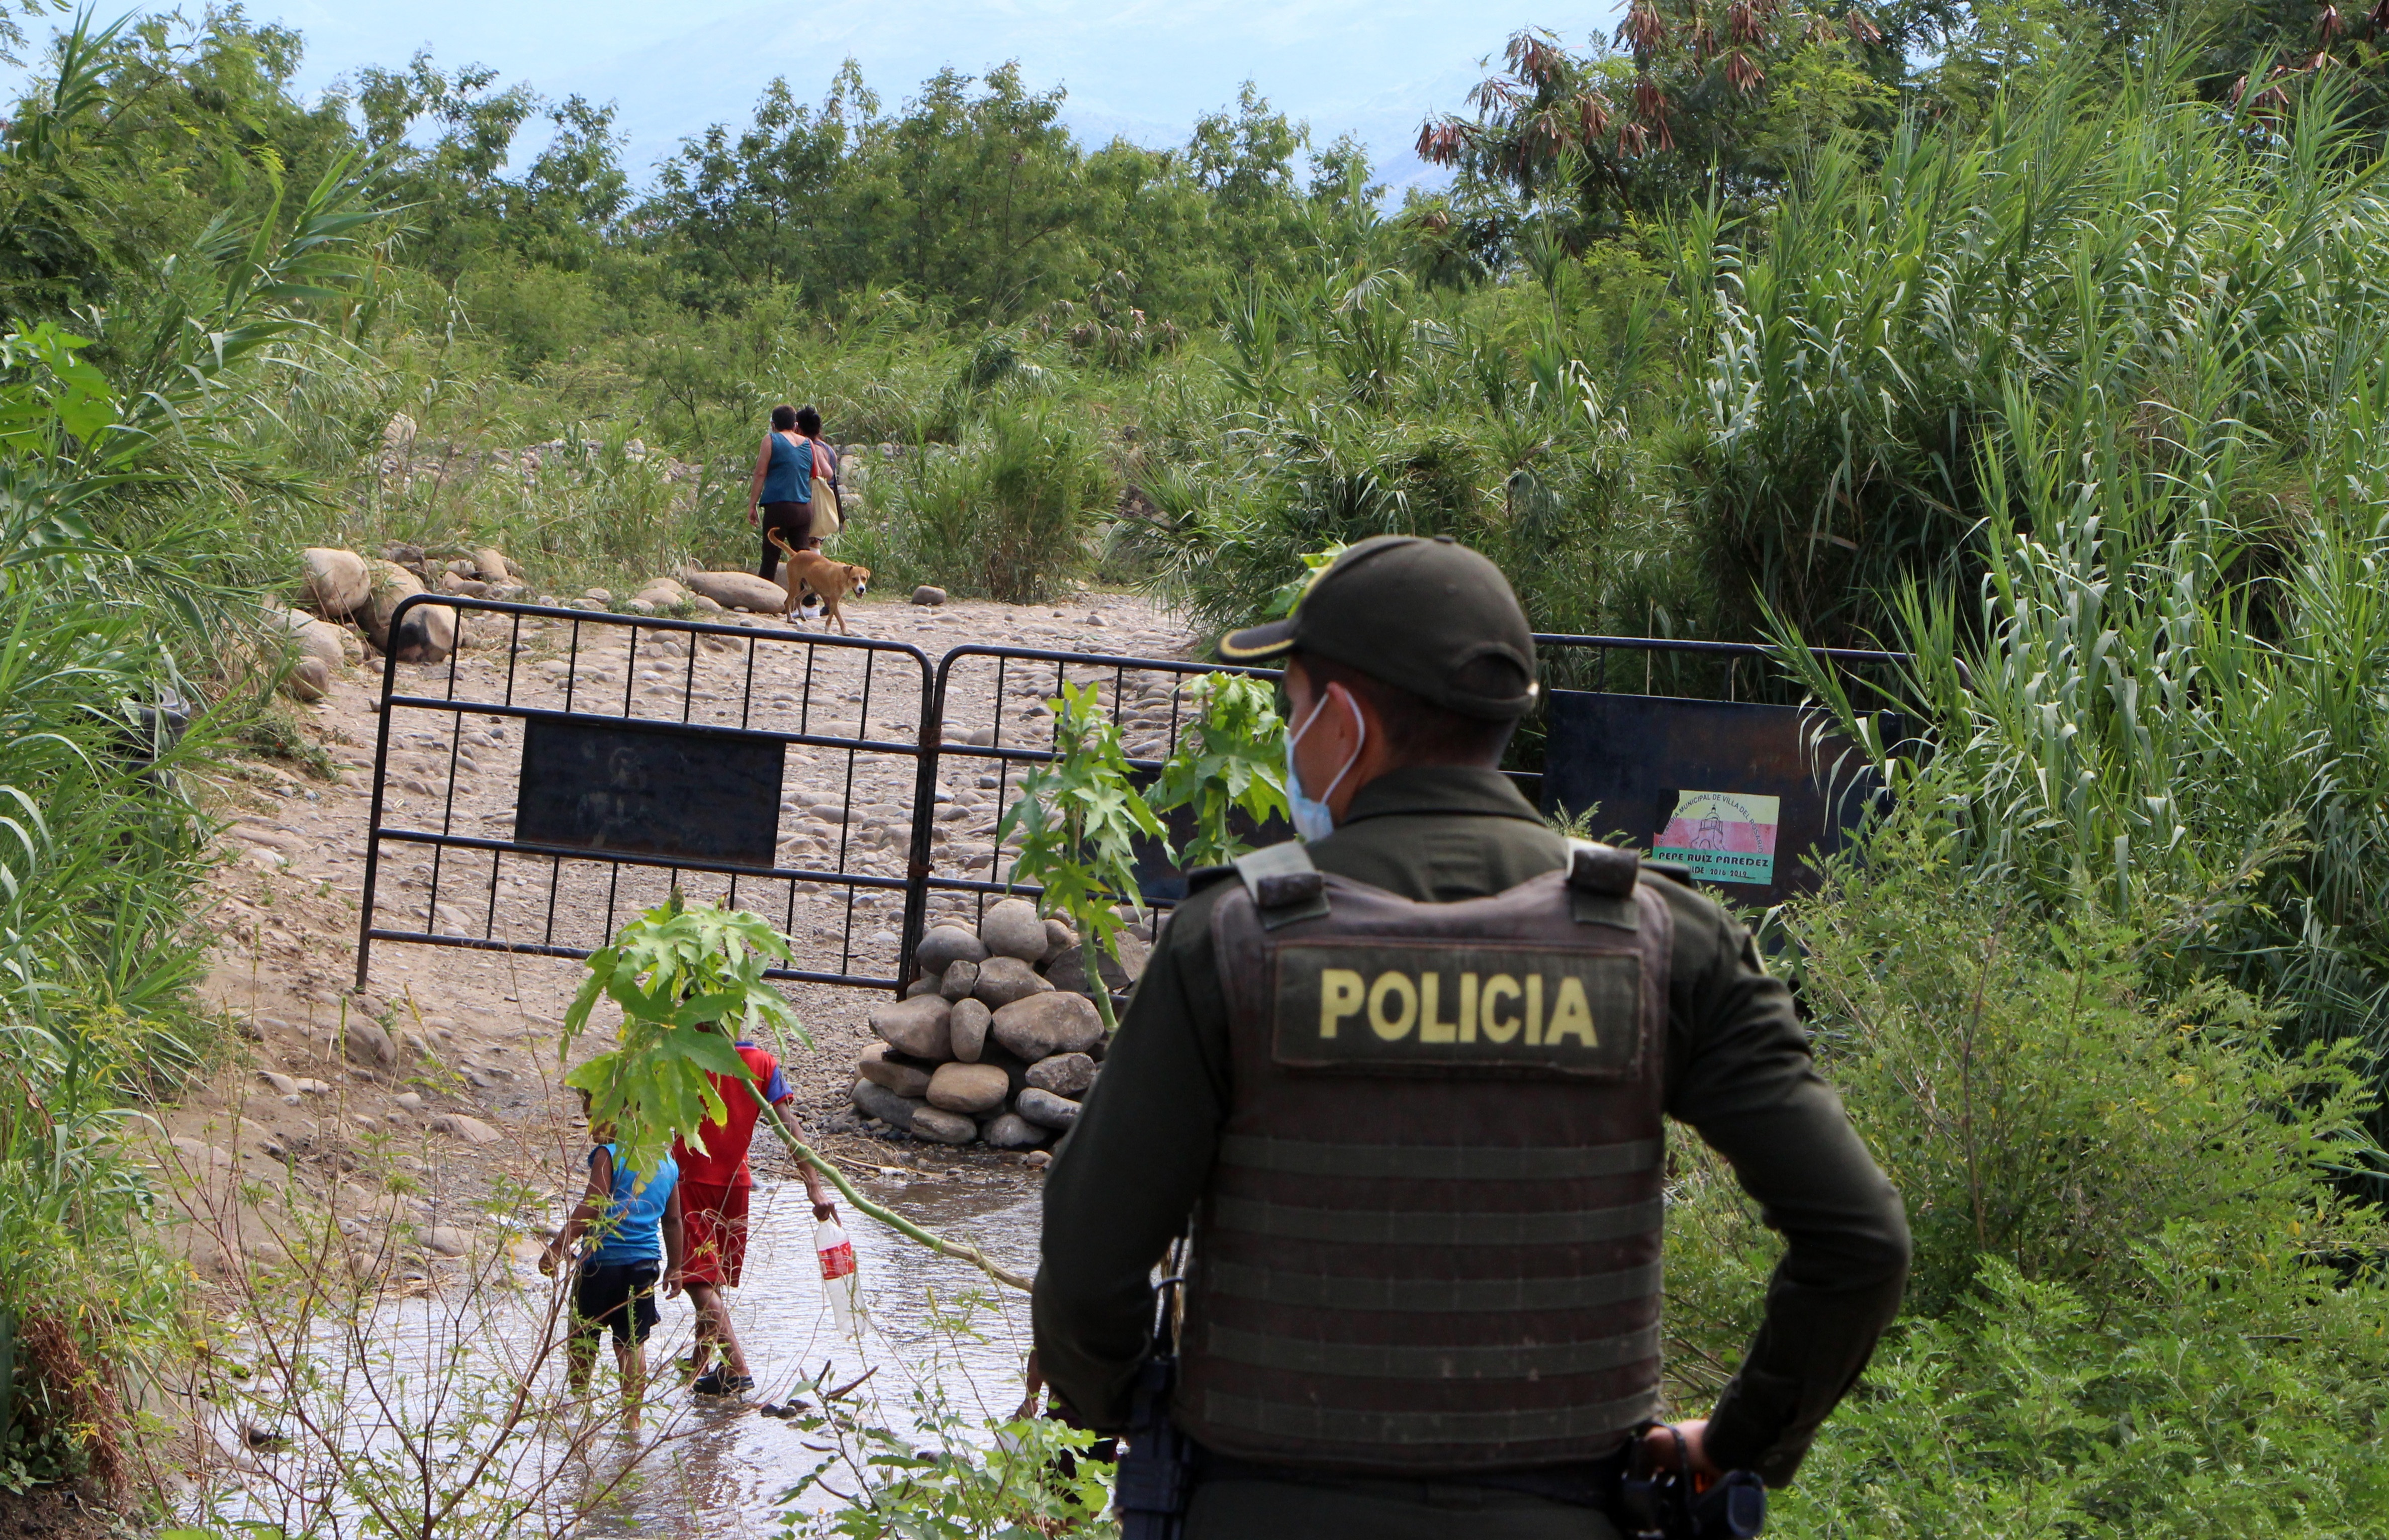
[(1438, 1005)]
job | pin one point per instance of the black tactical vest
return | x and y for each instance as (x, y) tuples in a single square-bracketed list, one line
[(1431, 1241)]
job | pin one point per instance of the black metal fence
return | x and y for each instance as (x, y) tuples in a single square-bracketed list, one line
[(570, 768), (1015, 731), (566, 769), (1756, 792)]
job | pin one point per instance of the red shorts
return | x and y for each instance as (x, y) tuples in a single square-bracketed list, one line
[(714, 1221)]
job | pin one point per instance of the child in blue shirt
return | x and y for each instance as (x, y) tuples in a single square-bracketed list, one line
[(633, 1223)]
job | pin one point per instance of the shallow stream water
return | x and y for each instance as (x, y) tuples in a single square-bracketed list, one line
[(446, 1358), (726, 1477)]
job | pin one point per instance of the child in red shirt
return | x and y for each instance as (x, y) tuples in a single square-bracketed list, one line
[(714, 1186)]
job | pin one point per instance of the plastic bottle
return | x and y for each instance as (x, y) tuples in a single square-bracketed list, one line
[(839, 1279)]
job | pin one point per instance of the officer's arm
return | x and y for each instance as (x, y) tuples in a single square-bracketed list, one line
[(1739, 1072), (1128, 1175)]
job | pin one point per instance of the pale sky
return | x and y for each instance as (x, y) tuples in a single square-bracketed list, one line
[(1131, 67)]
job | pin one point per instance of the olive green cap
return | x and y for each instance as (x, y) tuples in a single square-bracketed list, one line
[(1427, 616)]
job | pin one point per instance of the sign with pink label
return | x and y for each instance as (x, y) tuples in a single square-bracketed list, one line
[(1722, 837)]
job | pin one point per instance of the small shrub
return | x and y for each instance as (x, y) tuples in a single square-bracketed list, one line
[(1011, 512)]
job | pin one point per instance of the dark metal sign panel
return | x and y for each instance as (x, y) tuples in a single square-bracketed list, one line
[(1162, 879), (1730, 791), (649, 789)]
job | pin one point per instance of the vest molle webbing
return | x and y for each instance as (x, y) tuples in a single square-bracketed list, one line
[(1431, 1241)]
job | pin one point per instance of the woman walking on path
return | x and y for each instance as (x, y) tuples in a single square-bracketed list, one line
[(828, 517), (783, 488)]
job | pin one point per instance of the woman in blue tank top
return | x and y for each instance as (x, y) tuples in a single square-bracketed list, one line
[(783, 488)]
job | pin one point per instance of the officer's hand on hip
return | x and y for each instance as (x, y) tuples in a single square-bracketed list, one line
[(1660, 1444)]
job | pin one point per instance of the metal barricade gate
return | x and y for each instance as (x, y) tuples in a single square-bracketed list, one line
[(1728, 789), (738, 761), (647, 753), (985, 693)]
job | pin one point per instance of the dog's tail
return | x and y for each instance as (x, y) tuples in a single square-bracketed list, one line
[(774, 536)]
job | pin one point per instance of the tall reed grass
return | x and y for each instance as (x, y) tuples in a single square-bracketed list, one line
[(2185, 293), (2163, 686)]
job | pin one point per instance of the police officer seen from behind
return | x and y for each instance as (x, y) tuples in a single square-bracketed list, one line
[(1412, 1113)]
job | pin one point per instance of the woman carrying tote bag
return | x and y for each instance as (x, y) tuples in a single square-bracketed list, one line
[(825, 512)]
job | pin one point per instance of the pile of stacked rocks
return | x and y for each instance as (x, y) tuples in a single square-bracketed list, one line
[(985, 1046)]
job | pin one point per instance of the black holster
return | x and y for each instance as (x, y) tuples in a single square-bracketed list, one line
[(1663, 1503), (1156, 1477)]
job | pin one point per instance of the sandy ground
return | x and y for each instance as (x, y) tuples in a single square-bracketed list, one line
[(423, 1139)]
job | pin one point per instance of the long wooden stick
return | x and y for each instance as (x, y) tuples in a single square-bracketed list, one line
[(959, 1250)]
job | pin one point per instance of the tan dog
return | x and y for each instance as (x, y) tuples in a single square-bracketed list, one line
[(832, 580)]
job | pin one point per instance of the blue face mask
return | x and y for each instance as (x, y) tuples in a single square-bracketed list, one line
[(1312, 820)]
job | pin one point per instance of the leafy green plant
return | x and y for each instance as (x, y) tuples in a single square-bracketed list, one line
[(1036, 1478), (685, 974), (54, 396), (689, 980), (1077, 818), (943, 1475), (1229, 759), (1289, 593), (1008, 510)]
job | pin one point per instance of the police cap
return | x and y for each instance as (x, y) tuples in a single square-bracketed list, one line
[(1430, 617)]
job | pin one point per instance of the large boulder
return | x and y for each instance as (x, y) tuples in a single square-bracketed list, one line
[(916, 1027), (1003, 980), (1013, 928), (472, 1130), (877, 1101), (489, 565), (900, 1075), (1013, 1131), (1015, 1068), (944, 945), (1069, 970), (1064, 1075), (308, 679), (968, 1087), (663, 593), (1059, 938), (1042, 1026), (337, 582), (427, 634), (1046, 1109), (320, 653), (967, 1029), (738, 590), (314, 638), (944, 1127)]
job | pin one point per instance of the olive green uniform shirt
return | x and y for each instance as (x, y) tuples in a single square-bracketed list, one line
[(1738, 1071)]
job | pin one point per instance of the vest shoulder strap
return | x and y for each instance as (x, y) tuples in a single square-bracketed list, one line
[(1283, 883), (1604, 869), (1202, 877), (1601, 881), (1674, 872)]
